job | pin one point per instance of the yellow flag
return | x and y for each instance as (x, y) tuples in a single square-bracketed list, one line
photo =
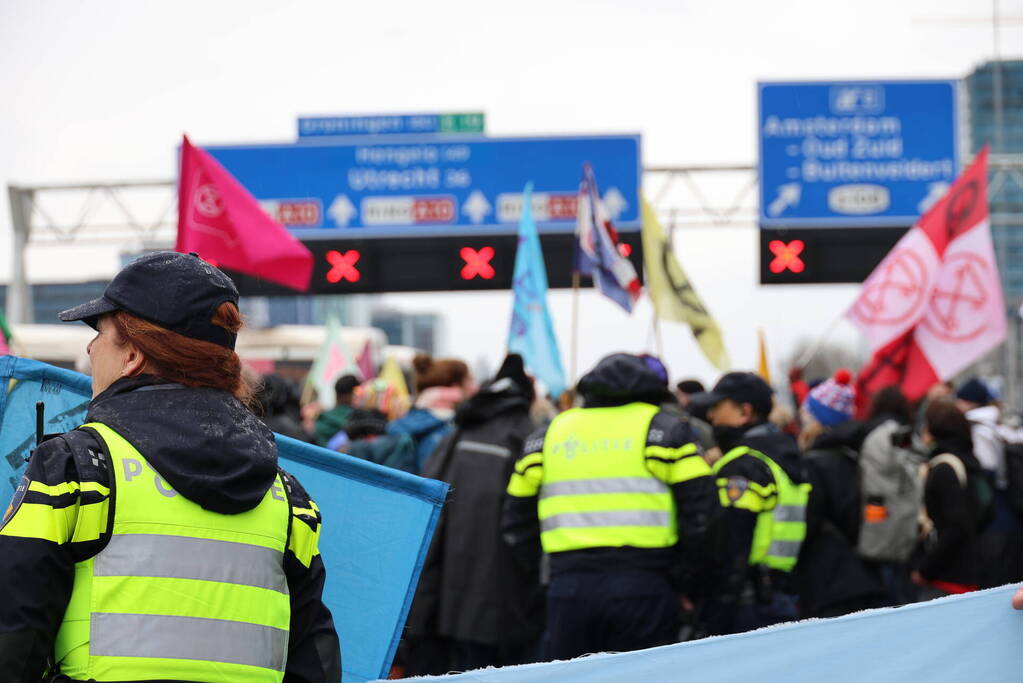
[(673, 296), (391, 372), (763, 369)]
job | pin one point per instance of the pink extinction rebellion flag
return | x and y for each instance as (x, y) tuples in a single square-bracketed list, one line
[(219, 220), (364, 361), (934, 304)]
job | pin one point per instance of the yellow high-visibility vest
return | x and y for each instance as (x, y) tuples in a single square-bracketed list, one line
[(179, 592), (597, 490), (780, 508)]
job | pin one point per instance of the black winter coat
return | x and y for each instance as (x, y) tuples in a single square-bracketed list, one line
[(767, 438), (830, 577), (471, 588), (952, 551)]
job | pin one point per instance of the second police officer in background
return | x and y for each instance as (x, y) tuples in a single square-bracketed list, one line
[(761, 486), (619, 497)]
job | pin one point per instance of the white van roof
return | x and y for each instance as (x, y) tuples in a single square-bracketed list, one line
[(66, 343)]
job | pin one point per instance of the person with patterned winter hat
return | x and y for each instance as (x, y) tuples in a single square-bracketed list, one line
[(831, 402), (832, 580)]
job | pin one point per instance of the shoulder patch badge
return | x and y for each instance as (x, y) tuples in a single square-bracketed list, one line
[(735, 487), (19, 495)]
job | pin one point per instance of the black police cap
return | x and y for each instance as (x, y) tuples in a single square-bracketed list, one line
[(743, 387), (178, 292)]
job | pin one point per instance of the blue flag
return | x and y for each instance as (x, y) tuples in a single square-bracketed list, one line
[(532, 332), (377, 521)]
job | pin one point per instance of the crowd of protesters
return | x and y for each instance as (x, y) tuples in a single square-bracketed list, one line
[(767, 510)]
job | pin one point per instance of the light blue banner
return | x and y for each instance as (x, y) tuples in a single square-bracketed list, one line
[(532, 332), (972, 637), (377, 522), (66, 395)]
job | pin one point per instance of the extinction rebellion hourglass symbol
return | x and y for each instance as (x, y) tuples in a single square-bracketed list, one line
[(898, 294), (207, 201), (958, 306)]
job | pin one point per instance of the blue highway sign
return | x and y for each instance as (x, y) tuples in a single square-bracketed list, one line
[(368, 187), (855, 154)]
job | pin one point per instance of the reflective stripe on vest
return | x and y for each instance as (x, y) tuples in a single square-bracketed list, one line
[(179, 592), (780, 530), (192, 558), (596, 489), (581, 487), (611, 518), (163, 637)]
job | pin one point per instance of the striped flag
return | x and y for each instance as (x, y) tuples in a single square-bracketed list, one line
[(597, 251)]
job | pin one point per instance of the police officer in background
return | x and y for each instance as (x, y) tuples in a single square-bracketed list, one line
[(619, 497), (160, 540), (761, 486)]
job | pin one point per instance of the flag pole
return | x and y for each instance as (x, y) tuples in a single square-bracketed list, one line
[(574, 355), (658, 342), (815, 348)]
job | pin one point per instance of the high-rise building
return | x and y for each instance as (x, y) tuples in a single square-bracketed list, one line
[(419, 330), (987, 114)]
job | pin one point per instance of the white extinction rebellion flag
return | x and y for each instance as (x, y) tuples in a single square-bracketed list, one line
[(934, 304)]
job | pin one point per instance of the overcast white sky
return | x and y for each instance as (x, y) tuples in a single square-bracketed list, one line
[(98, 91)]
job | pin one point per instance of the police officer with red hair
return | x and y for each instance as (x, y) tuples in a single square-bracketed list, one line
[(160, 540)]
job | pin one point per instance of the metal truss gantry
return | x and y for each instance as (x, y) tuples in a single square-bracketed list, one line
[(142, 214)]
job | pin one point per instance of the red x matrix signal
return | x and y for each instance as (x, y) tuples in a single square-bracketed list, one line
[(786, 256), (477, 263), (343, 266)]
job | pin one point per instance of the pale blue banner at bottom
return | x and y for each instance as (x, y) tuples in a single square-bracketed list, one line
[(972, 637)]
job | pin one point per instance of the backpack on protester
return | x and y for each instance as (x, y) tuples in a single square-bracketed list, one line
[(981, 488), (1013, 454), (987, 435), (892, 494)]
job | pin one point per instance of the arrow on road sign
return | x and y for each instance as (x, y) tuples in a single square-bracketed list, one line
[(476, 207), (614, 202), (788, 195), (342, 211)]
